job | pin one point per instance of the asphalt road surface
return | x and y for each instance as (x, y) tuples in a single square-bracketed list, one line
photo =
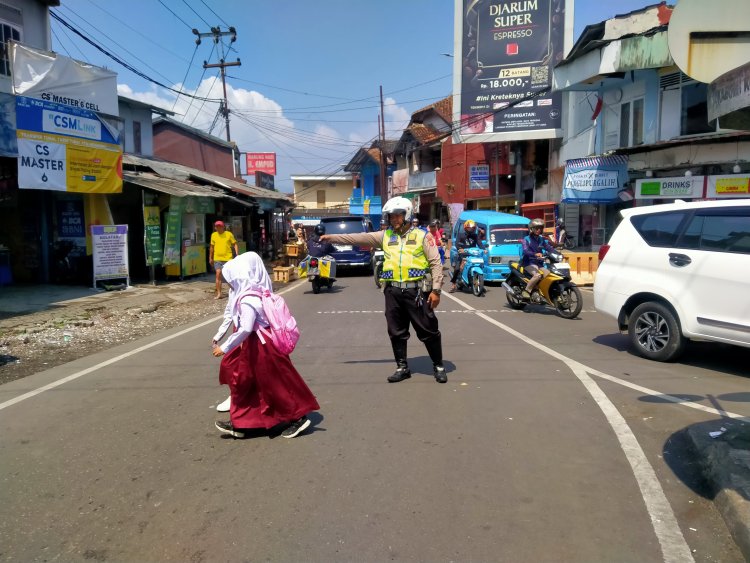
[(550, 442)]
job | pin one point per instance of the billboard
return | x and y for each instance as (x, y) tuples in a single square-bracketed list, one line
[(502, 78), (263, 180), (62, 148), (261, 162)]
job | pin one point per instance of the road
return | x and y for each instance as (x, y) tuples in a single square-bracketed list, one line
[(550, 442)]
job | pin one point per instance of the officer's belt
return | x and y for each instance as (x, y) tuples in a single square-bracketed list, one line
[(404, 285)]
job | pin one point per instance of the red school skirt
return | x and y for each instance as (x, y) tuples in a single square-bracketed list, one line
[(265, 387)]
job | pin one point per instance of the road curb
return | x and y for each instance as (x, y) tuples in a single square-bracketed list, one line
[(725, 462)]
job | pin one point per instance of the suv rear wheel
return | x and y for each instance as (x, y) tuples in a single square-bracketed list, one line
[(655, 333)]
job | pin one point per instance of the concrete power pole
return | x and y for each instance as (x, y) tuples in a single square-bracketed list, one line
[(217, 34)]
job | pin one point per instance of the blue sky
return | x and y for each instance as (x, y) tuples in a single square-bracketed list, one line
[(308, 85)]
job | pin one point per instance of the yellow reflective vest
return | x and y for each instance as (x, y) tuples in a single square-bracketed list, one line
[(405, 259)]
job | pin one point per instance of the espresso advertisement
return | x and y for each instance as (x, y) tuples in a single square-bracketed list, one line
[(507, 53)]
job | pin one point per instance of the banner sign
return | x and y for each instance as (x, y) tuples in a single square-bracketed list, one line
[(173, 234), (70, 219), (595, 179), (479, 177), (110, 252), (730, 185), (261, 162), (152, 235), (679, 187), (66, 149), (264, 180), (53, 78), (502, 79)]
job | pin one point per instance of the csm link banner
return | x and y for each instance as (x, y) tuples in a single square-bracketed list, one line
[(502, 77), (62, 148)]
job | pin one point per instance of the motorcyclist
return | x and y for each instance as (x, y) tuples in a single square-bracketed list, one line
[(562, 233), (316, 247), (532, 258), (468, 238)]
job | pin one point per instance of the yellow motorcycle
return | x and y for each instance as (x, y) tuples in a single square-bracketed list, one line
[(319, 272), (556, 289)]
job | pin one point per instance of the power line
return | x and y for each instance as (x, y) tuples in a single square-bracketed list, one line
[(120, 61), (196, 13), (175, 15), (214, 13)]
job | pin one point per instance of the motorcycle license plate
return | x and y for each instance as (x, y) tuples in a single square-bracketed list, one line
[(342, 247)]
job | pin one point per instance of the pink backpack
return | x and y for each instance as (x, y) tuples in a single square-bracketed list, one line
[(282, 332)]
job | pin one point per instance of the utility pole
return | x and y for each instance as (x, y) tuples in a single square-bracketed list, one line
[(381, 127), (217, 34)]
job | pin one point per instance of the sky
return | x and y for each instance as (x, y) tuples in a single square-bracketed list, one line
[(308, 87)]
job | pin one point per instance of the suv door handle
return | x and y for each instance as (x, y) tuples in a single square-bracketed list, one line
[(679, 260)]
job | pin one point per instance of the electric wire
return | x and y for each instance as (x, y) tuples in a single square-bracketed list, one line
[(182, 84), (196, 13), (214, 13), (119, 60), (190, 27)]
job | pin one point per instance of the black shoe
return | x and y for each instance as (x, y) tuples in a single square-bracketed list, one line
[(440, 375), (296, 428), (227, 428), (401, 373)]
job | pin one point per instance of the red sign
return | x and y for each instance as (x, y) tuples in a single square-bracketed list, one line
[(261, 162)]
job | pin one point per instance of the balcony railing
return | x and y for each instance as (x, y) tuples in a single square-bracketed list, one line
[(422, 181)]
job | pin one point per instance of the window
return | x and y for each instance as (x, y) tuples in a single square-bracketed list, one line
[(7, 32), (321, 197), (694, 116), (659, 229), (507, 234), (684, 109), (725, 232), (137, 137), (631, 123)]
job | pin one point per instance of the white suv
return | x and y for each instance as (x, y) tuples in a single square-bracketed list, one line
[(678, 272)]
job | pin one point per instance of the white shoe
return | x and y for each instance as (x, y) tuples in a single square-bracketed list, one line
[(224, 406)]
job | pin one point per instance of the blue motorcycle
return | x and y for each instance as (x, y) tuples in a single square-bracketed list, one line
[(472, 274)]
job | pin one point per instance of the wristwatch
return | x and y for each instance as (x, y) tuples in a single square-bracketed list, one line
[(437, 291)]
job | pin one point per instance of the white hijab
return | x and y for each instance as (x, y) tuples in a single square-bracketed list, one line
[(246, 273)]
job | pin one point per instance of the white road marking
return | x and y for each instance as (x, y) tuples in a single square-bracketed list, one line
[(673, 545), (116, 359)]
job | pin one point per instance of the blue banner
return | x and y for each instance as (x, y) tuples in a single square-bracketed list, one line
[(598, 179)]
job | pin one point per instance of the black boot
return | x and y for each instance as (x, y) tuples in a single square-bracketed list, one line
[(435, 350), (402, 367)]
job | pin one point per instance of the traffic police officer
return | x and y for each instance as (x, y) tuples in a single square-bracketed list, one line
[(412, 279)]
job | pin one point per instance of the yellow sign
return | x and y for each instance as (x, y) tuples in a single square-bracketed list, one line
[(727, 186)]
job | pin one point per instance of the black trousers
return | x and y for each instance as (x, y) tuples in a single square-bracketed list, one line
[(401, 309)]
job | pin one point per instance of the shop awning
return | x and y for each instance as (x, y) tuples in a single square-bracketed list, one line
[(597, 179)]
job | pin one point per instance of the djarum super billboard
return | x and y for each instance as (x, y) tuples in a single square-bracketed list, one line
[(505, 53)]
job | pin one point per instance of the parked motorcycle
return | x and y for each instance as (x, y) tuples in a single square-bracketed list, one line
[(377, 269), (319, 271), (556, 289), (472, 274)]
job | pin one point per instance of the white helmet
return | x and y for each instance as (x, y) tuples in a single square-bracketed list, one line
[(398, 204)]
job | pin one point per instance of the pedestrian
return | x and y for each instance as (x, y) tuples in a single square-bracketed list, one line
[(412, 277), (220, 251), (435, 232), (265, 388)]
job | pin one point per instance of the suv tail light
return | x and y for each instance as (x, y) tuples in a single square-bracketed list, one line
[(603, 249), (364, 248)]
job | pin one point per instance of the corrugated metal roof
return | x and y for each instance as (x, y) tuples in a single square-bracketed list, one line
[(169, 186), (174, 171)]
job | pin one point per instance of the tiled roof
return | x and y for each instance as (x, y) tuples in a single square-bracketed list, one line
[(444, 108)]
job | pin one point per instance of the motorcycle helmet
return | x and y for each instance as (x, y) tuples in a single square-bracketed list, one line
[(320, 229), (435, 223), (560, 222), (536, 224), (469, 225), (399, 205)]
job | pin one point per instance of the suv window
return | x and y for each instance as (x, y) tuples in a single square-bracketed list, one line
[(719, 231), (344, 226), (660, 229)]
